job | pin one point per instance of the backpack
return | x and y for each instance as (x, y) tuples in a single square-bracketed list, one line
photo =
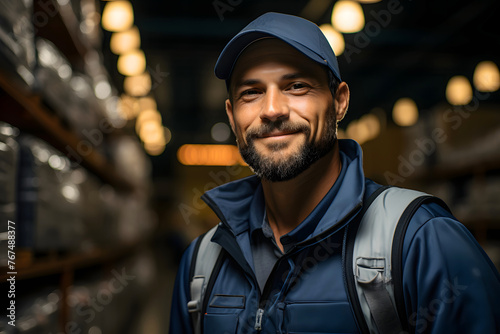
[(372, 264)]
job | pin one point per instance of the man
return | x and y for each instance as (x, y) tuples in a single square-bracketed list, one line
[(282, 230)]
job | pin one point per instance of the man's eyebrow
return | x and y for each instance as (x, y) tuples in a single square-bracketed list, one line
[(295, 75), (248, 82), (289, 76)]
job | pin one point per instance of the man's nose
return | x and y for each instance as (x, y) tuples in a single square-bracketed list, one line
[(275, 106)]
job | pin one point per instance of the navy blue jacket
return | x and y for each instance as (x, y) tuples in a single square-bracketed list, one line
[(450, 285)]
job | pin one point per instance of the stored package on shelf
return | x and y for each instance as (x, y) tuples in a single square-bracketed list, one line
[(49, 205), (112, 218), (5, 328), (9, 150), (101, 211), (68, 93), (17, 42), (136, 220), (131, 161), (105, 301), (470, 136), (480, 201), (38, 311)]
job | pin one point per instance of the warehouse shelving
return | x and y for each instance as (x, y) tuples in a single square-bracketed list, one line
[(26, 110), (28, 113)]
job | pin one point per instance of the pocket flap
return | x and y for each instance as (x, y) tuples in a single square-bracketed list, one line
[(228, 301)]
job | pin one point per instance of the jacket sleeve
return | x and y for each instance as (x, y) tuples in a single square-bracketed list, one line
[(180, 320), (450, 284)]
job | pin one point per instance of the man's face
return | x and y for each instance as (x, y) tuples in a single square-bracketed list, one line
[(282, 110)]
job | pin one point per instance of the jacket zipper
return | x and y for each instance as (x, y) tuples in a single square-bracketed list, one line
[(263, 297), (267, 287), (260, 310), (258, 319)]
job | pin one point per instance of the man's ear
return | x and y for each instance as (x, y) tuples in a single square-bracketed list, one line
[(230, 116), (341, 100)]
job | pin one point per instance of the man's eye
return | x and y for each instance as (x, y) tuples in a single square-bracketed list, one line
[(298, 86), (249, 92)]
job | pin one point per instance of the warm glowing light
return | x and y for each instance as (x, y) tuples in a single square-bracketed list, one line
[(209, 155), (124, 41), (147, 102), (372, 124), (347, 16), (459, 91), (359, 131), (137, 85), (486, 77), (128, 107), (154, 149), (152, 132), (144, 116), (335, 38), (117, 16), (132, 63), (405, 112), (168, 135)]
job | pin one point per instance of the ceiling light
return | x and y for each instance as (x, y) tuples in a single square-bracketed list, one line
[(168, 135), (405, 112), (117, 16), (347, 16), (128, 106), (152, 132), (146, 103), (125, 41), (335, 38), (459, 91), (147, 115), (486, 77), (372, 124), (359, 131), (154, 149), (132, 63), (137, 85)]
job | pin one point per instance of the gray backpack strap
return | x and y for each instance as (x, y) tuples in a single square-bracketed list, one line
[(372, 259), (205, 256)]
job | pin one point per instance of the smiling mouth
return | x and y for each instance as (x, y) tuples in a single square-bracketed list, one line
[(278, 134)]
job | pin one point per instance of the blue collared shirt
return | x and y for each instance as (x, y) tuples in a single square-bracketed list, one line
[(265, 251)]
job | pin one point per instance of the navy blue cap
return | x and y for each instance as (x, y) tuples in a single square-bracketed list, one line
[(300, 33)]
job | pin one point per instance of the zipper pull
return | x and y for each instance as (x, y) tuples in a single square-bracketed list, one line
[(258, 319)]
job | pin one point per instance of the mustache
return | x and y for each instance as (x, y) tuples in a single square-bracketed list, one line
[(282, 126)]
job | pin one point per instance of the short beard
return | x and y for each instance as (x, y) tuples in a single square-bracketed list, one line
[(287, 169)]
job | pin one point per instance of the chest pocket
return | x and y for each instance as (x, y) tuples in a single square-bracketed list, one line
[(318, 317), (223, 317)]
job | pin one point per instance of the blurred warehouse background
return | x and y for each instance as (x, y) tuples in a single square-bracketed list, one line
[(112, 125)]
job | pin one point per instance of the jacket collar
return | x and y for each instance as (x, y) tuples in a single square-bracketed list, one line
[(240, 204)]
